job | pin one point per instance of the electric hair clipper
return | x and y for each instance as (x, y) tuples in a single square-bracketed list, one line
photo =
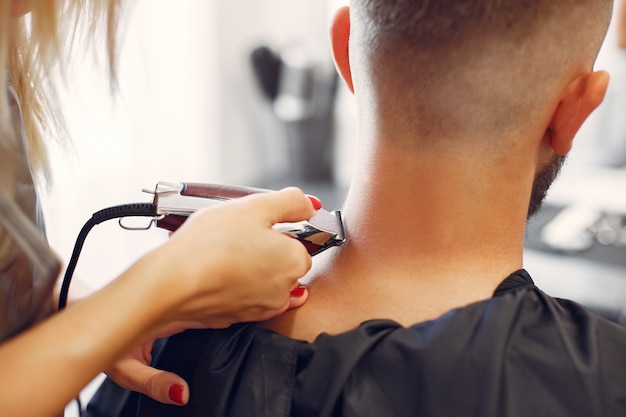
[(174, 202)]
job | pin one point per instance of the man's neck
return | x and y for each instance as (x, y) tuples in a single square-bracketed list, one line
[(422, 238)]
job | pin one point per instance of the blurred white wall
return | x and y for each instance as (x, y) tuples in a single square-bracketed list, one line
[(162, 125)]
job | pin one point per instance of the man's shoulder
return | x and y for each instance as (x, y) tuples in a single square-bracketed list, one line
[(484, 359)]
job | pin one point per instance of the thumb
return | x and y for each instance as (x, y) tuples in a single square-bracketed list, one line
[(287, 205), (165, 387)]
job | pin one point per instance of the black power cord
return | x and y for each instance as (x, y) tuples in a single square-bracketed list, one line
[(126, 210), (116, 212)]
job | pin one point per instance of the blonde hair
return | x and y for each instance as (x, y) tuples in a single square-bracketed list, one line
[(36, 47)]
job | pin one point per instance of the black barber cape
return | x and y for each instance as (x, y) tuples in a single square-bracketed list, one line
[(520, 353)]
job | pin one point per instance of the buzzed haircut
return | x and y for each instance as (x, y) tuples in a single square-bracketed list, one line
[(439, 22), (472, 65)]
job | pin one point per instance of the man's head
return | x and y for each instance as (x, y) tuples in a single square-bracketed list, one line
[(486, 77)]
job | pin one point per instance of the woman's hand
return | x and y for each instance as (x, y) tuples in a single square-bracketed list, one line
[(135, 373), (226, 264)]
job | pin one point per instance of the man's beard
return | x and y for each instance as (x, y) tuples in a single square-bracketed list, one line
[(543, 179)]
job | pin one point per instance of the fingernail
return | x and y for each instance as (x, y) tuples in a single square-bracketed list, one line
[(176, 394), (317, 204), (297, 292)]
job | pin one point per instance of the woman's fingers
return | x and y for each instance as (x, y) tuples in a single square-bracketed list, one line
[(287, 205), (135, 373)]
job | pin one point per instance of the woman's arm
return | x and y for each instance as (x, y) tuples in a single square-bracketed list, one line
[(224, 265)]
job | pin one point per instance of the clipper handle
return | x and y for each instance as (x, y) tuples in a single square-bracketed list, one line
[(217, 192), (175, 202), (171, 222)]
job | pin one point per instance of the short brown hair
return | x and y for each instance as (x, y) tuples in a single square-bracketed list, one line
[(458, 65), (438, 22)]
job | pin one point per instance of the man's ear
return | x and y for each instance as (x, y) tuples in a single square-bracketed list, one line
[(339, 39), (579, 100)]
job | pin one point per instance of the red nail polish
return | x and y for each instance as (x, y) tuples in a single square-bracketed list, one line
[(317, 204), (176, 394), (297, 292)]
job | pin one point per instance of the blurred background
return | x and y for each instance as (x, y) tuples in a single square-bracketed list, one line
[(245, 92)]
